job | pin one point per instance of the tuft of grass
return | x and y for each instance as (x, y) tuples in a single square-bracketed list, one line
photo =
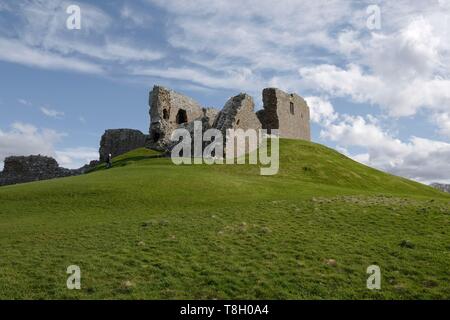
[(148, 229)]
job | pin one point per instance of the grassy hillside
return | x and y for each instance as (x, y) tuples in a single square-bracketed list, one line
[(149, 229)]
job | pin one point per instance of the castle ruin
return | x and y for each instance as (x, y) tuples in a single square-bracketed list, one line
[(288, 113), (170, 110), (120, 141), (21, 169)]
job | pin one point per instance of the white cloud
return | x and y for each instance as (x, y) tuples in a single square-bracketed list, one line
[(399, 99), (402, 68), (420, 159), (230, 79), (137, 17), (17, 52), (348, 42), (24, 102), (126, 52), (361, 132), (412, 52), (73, 158), (24, 139), (42, 40), (442, 121), (45, 20), (339, 82), (52, 113), (96, 39), (321, 110), (254, 34)]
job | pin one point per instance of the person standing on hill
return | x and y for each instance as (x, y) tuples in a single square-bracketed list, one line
[(109, 161)]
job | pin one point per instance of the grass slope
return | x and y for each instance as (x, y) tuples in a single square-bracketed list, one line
[(149, 229)]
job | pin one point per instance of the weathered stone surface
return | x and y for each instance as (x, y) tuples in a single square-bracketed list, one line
[(288, 113), (210, 114), (206, 121), (31, 168), (169, 110), (120, 141), (238, 113)]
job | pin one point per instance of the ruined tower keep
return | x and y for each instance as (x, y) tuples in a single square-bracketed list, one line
[(288, 113), (170, 110)]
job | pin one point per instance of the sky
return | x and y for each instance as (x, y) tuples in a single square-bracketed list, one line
[(375, 74)]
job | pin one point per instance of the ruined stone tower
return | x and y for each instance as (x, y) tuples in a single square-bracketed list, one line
[(170, 110), (288, 113), (237, 113)]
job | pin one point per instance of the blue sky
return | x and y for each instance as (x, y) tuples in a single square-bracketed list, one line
[(380, 95)]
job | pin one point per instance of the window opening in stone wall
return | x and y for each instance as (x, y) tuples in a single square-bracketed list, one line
[(165, 114), (181, 116)]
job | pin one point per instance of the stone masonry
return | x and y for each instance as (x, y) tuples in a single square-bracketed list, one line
[(288, 113), (238, 113), (19, 169), (170, 110), (120, 141)]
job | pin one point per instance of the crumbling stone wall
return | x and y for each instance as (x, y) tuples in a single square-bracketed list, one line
[(169, 110), (120, 141), (32, 168), (288, 113), (210, 115), (238, 113)]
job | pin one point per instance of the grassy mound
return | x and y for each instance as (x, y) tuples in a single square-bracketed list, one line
[(149, 229)]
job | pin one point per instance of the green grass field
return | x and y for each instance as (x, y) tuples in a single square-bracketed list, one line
[(147, 229)]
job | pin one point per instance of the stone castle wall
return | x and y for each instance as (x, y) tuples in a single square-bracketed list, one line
[(288, 113), (120, 141), (19, 169), (238, 113), (169, 110)]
